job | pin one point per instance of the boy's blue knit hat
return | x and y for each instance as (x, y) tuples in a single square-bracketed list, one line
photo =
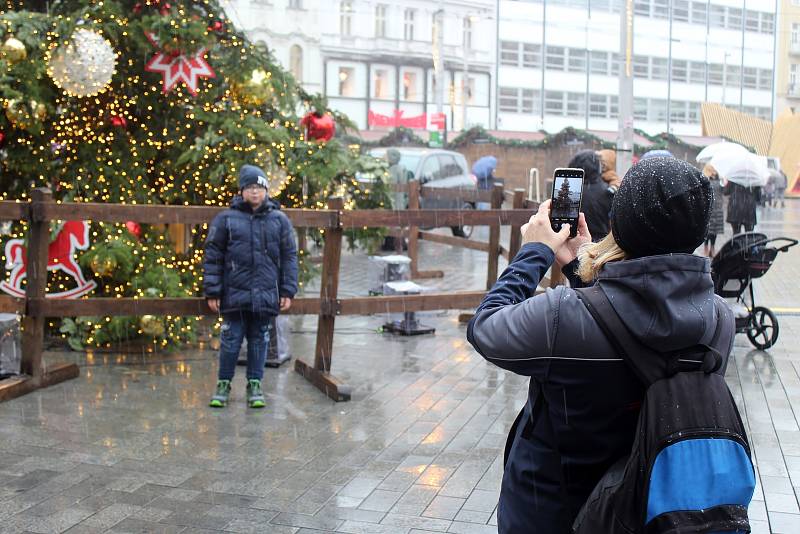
[(250, 174)]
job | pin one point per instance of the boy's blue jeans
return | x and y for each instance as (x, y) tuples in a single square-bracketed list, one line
[(235, 327)]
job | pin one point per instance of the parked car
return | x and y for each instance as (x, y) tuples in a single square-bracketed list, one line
[(436, 168)]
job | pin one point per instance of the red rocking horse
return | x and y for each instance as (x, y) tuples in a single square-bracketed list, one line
[(73, 235)]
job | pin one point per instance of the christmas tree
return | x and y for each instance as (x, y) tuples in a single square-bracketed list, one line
[(140, 102), (562, 201)]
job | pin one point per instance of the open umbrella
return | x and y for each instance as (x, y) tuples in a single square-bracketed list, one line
[(723, 147), (483, 169), (744, 169)]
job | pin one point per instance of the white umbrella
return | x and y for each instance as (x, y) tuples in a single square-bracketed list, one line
[(723, 147), (744, 169)]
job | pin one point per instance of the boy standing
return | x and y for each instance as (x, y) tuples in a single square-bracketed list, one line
[(249, 276)]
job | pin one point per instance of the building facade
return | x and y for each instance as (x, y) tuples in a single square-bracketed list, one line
[(558, 62), (375, 60), (787, 87)]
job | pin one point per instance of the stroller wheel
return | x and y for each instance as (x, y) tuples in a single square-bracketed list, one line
[(763, 329)]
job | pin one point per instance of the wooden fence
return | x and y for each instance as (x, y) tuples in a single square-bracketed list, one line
[(35, 307)]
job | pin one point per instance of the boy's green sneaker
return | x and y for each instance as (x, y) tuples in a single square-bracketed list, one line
[(255, 397), (220, 398)]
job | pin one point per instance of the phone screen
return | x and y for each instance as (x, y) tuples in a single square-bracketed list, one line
[(566, 199)]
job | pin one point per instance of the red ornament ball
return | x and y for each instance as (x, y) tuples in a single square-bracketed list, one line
[(119, 121), (134, 228), (319, 127)]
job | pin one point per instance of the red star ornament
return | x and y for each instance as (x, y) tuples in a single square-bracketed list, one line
[(179, 68)]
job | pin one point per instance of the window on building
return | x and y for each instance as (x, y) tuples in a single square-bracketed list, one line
[(467, 33), (598, 106), (680, 10), (508, 99), (734, 18), (640, 109), (408, 26), (598, 62), (699, 12), (346, 81), (697, 72), (554, 59), (346, 18), (751, 20), (613, 108), (715, 74), (641, 67), (616, 63), (680, 70), (576, 104), (660, 9), (795, 35), (295, 4), (411, 91), (750, 77), (767, 23), (765, 79), (677, 111), (530, 101), (794, 72), (732, 75), (380, 20), (509, 53), (553, 103), (657, 110), (532, 55), (576, 60), (658, 68), (515, 100), (296, 62), (642, 7), (693, 113), (380, 84), (716, 16)]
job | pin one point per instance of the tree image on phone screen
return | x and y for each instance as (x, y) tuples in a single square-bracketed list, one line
[(566, 198)]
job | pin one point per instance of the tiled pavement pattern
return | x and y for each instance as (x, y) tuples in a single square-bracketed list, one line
[(130, 446)]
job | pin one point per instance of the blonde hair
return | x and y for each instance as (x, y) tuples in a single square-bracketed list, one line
[(592, 257)]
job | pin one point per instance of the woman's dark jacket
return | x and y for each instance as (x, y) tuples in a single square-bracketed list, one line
[(716, 224), (741, 204), (583, 400), (250, 258)]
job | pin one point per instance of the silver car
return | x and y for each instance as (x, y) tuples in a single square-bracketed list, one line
[(437, 168)]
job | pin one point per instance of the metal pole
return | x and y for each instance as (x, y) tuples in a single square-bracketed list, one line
[(464, 71), (741, 68), (724, 75), (625, 139), (774, 58), (586, 51), (708, 31), (438, 63), (669, 71), (544, 46), (497, 62)]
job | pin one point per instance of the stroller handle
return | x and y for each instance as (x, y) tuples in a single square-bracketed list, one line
[(790, 243)]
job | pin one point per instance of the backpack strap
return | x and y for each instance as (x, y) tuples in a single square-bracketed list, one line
[(648, 365)]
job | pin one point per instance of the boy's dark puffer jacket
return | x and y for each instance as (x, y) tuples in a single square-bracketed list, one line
[(250, 258)]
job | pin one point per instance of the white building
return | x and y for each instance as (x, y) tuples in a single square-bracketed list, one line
[(374, 59), (721, 51)]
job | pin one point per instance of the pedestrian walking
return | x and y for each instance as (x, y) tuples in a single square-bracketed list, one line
[(716, 224), (781, 183), (583, 400), (249, 276), (741, 206), (597, 194)]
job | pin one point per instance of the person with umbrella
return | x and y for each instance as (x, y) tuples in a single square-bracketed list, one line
[(745, 174), (483, 170)]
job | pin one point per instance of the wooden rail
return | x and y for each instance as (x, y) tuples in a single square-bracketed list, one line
[(35, 307)]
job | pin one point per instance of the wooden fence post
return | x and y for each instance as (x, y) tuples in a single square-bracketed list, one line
[(515, 239), (494, 237), (413, 235), (319, 374), (36, 286)]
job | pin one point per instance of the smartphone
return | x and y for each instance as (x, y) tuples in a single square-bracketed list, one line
[(566, 199)]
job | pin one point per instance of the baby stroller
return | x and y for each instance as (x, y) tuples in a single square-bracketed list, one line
[(745, 257)]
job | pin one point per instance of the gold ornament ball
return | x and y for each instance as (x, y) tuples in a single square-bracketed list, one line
[(151, 325), (103, 267), (257, 90), (13, 50), (39, 110), (17, 114)]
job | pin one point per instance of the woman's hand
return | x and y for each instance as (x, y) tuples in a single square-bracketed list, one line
[(569, 251), (539, 230), (213, 304)]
